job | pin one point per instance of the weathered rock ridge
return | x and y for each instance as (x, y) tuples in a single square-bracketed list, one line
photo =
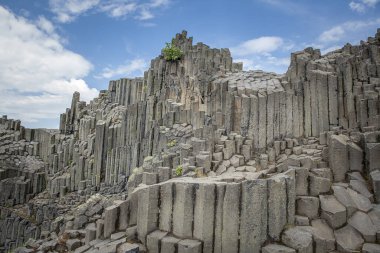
[(200, 156)]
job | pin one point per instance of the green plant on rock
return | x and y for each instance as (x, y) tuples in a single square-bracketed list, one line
[(171, 143), (179, 170), (172, 53)]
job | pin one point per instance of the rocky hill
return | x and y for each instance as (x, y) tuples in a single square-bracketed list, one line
[(200, 156)]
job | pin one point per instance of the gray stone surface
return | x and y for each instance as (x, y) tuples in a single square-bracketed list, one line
[(230, 227), (323, 236), (169, 244), (338, 155), (302, 184), (275, 248), (153, 241), (362, 223), (361, 188), (253, 216), (308, 206), (206, 137), (319, 185), (375, 178), (277, 199), (348, 239), (110, 220), (147, 215), (343, 196), (298, 239), (204, 210), (189, 246), (362, 203), (183, 213), (371, 248), (332, 211)]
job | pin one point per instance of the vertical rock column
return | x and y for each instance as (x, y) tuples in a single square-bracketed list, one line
[(338, 157), (204, 215), (99, 151), (231, 211), (183, 210), (148, 210), (253, 219), (277, 203), (166, 206)]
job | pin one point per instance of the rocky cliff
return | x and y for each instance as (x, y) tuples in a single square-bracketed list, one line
[(200, 156)]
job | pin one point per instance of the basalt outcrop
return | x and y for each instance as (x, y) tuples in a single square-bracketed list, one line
[(200, 156)]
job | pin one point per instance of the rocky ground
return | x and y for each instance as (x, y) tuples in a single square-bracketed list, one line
[(200, 156)]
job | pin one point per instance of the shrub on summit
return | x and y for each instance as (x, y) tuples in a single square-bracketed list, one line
[(172, 53)]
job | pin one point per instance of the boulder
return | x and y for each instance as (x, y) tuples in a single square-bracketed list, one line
[(348, 239), (128, 248), (73, 244), (373, 156), (169, 244), (375, 178), (374, 214), (371, 248), (342, 195), (319, 185), (307, 206), (189, 246), (332, 211), (302, 183), (298, 239), (323, 236), (362, 203), (153, 241), (276, 248), (361, 187), (362, 223), (301, 220)]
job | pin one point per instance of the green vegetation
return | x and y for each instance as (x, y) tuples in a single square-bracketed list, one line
[(179, 170), (172, 53), (171, 143)]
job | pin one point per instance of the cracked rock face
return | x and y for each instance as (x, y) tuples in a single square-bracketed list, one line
[(200, 156)]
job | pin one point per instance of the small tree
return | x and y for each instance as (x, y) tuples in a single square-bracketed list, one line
[(172, 53), (179, 170)]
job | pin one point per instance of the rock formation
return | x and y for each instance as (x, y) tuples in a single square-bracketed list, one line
[(200, 156)]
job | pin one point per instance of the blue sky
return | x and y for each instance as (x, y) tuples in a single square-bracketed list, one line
[(50, 48)]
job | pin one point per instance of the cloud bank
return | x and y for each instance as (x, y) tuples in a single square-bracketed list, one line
[(38, 75), (68, 10)]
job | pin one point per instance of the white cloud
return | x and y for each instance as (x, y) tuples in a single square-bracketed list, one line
[(258, 46), (135, 67), (358, 7), (145, 14), (248, 64), (37, 74), (159, 3), (68, 10), (265, 53), (361, 6), (45, 25), (334, 34), (267, 63), (348, 31), (118, 9), (371, 3), (288, 6)]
